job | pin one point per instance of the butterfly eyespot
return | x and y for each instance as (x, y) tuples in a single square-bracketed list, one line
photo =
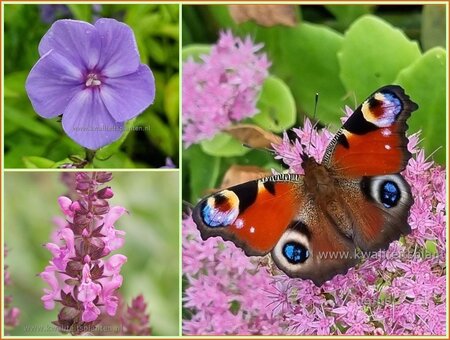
[(295, 252), (388, 190), (292, 252), (389, 194), (221, 209)]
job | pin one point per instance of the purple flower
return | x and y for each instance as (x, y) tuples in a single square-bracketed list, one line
[(92, 76), (79, 276), (223, 88), (400, 291)]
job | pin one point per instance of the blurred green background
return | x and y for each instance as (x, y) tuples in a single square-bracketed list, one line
[(343, 53), (152, 242), (34, 142)]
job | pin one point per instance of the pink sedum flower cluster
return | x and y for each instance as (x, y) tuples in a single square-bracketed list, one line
[(80, 274), (223, 88), (400, 291)]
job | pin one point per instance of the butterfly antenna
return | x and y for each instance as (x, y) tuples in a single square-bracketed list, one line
[(245, 145), (316, 101)]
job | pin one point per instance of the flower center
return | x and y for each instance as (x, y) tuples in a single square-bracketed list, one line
[(93, 80)]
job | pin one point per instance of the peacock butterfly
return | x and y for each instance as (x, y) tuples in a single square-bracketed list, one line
[(313, 223)]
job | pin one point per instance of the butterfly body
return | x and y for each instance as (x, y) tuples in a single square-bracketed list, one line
[(312, 224)]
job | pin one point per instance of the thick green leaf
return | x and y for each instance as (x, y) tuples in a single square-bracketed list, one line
[(33, 162), (372, 55), (223, 145), (172, 100), (346, 14), (433, 26), (276, 105), (305, 58), (202, 177), (424, 81), (81, 12), (195, 51)]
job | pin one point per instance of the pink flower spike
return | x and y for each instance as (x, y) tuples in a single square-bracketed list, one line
[(80, 278)]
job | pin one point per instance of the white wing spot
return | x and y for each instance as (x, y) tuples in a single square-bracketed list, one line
[(387, 147), (239, 223), (386, 132), (252, 229)]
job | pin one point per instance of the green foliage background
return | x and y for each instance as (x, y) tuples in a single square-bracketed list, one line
[(34, 142), (342, 52), (152, 243)]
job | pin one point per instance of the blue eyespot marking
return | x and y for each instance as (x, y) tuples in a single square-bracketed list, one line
[(295, 252), (389, 194), (393, 105), (214, 217)]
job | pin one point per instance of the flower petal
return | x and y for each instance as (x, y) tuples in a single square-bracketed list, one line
[(119, 52), (112, 216), (87, 121), (52, 83), (127, 96), (90, 313), (78, 41)]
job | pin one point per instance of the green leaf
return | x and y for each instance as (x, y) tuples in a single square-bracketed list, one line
[(223, 145), (109, 150), (171, 99), (276, 105), (117, 160), (81, 12), (15, 84), (27, 122), (160, 134), (33, 162), (424, 81), (305, 58), (346, 14), (156, 50), (195, 51), (372, 55), (201, 177), (431, 248), (433, 26)]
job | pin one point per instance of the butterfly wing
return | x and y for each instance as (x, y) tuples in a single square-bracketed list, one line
[(365, 157), (275, 214), (314, 248), (372, 141), (379, 207), (253, 215)]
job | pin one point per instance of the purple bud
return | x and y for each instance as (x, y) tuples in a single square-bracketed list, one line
[(105, 193)]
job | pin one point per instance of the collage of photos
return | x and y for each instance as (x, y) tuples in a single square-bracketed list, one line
[(187, 169)]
